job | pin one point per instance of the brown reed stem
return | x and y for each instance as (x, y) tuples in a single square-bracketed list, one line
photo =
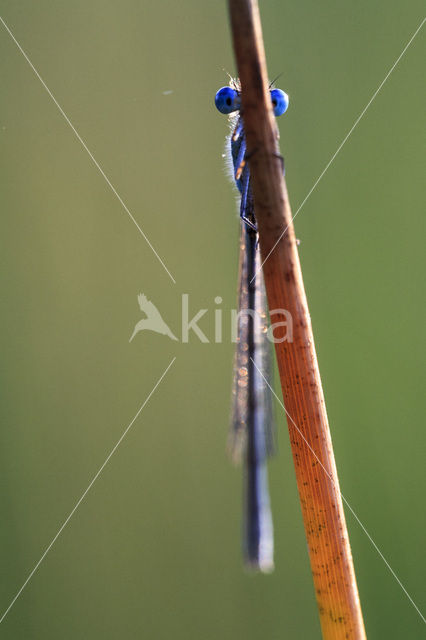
[(316, 474)]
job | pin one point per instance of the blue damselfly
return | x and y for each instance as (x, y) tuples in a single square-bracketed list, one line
[(251, 434)]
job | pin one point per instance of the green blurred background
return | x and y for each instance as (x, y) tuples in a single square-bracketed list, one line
[(154, 549)]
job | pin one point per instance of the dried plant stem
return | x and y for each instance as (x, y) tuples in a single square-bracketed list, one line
[(322, 509)]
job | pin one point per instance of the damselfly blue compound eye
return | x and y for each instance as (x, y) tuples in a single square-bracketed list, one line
[(279, 101), (227, 100)]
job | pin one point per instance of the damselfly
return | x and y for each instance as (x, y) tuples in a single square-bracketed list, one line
[(251, 434)]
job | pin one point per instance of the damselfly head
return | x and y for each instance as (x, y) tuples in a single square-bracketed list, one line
[(228, 100)]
